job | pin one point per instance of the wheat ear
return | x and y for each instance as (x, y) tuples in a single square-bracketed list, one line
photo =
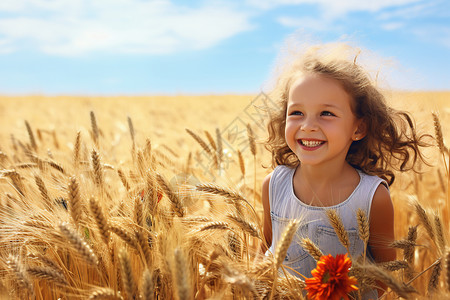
[(173, 197), (19, 273), (97, 168), (131, 127), (127, 274), (31, 136), (138, 214), (379, 274), (49, 274), (211, 140), (440, 238), (78, 244), (124, 235), (100, 219), (425, 220), (75, 202), (94, 127), (44, 192), (147, 285), (395, 265), (105, 294), (447, 269), (123, 179), (143, 241), (311, 248), (245, 226), (285, 242), (199, 140), (241, 163), (217, 225), (434, 278), (336, 222), (182, 278)]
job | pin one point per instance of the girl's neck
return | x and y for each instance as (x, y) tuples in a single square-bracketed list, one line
[(324, 186), (324, 174)]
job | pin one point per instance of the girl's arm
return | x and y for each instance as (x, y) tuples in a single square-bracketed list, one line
[(382, 228), (266, 214)]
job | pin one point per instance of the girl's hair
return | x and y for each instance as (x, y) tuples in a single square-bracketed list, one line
[(391, 141)]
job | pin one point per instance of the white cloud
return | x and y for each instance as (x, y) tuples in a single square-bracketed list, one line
[(392, 26), (304, 22), (72, 27), (333, 8)]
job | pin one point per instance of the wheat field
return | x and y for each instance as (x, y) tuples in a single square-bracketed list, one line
[(158, 197)]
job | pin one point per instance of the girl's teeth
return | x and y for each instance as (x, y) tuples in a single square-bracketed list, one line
[(311, 143)]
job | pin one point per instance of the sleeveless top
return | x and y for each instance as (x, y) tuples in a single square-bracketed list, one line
[(314, 224)]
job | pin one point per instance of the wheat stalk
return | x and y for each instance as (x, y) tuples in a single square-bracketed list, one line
[(100, 219), (311, 248), (338, 226)]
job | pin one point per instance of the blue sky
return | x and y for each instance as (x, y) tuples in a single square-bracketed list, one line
[(108, 47)]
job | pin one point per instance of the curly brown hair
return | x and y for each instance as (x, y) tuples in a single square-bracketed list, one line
[(391, 141)]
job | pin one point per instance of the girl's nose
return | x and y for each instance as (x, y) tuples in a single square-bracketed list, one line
[(309, 124)]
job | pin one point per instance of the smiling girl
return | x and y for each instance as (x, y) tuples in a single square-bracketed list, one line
[(334, 145)]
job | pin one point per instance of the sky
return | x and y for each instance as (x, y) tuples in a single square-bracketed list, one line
[(144, 47)]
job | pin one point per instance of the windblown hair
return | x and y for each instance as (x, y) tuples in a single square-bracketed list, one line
[(391, 141)]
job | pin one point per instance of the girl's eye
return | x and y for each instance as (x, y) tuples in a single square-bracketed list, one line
[(327, 113), (296, 113)]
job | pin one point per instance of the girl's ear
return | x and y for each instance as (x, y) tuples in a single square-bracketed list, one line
[(361, 130)]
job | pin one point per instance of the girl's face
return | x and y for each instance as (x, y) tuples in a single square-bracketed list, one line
[(320, 124)]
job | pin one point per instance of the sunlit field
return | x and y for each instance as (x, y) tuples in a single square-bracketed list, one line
[(159, 198)]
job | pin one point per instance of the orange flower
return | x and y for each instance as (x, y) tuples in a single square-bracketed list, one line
[(330, 279)]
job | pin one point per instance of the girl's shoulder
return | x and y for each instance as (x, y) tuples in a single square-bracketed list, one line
[(371, 179)]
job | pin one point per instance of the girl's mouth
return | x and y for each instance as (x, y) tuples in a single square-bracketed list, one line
[(311, 144)]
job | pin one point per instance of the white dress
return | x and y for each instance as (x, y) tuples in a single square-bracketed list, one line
[(314, 224)]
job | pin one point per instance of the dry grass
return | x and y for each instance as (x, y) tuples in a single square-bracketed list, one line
[(121, 203)]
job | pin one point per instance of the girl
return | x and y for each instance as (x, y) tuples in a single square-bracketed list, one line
[(334, 144)]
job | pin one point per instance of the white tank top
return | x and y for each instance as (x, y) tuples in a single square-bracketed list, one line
[(314, 224)]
